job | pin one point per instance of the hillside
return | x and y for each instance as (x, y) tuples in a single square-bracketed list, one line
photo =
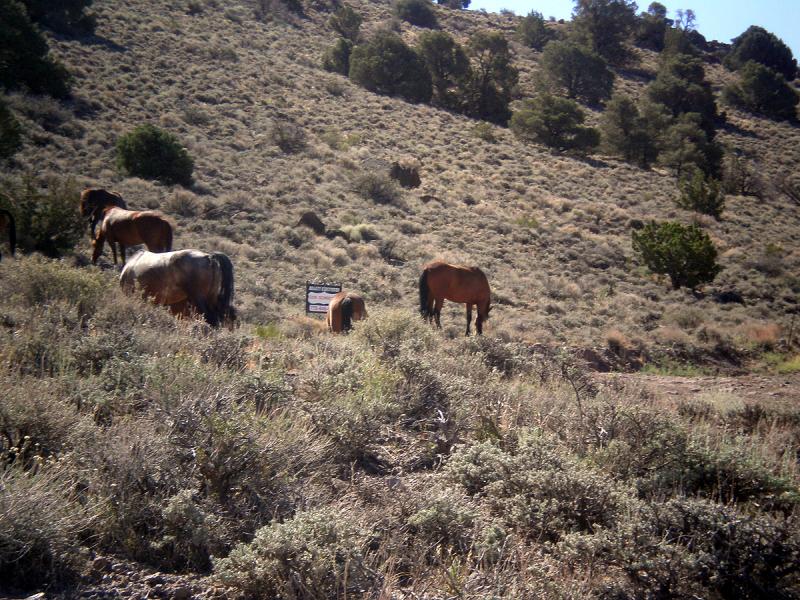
[(145, 456), (552, 232)]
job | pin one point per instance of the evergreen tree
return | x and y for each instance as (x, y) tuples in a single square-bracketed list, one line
[(763, 47), (685, 254), (533, 31), (448, 66), (627, 133), (346, 22), (576, 71), (681, 86), (604, 26), (488, 92), (761, 90), (385, 65), (555, 122)]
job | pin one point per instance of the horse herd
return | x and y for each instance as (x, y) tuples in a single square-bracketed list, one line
[(196, 282)]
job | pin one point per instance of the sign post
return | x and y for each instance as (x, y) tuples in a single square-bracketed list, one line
[(319, 295)]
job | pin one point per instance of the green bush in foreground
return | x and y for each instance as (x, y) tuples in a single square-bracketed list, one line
[(152, 153), (685, 253)]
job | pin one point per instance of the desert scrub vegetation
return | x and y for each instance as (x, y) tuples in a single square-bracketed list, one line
[(279, 461), (152, 153)]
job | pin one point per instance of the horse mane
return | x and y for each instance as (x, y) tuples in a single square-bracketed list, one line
[(347, 313), (423, 294), (12, 230)]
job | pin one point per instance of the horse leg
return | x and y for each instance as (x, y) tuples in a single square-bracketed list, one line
[(437, 312), (122, 253), (479, 322), (469, 317), (97, 245)]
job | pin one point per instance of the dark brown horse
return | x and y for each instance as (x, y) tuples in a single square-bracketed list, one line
[(441, 281), (344, 308), (94, 200), (188, 281), (7, 222)]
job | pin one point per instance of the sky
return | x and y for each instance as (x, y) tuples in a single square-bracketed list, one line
[(719, 20)]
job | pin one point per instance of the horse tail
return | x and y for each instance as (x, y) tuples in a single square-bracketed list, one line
[(347, 313), (424, 292), (168, 241), (225, 297), (12, 231)]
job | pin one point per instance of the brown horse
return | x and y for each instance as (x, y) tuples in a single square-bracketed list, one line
[(188, 281), (94, 200), (441, 281), (7, 221), (344, 308)]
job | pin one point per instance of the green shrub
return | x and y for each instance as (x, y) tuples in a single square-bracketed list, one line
[(385, 65), (10, 132), (555, 122), (65, 16), (533, 32), (577, 71), (629, 133), (444, 519), (682, 87), (604, 26), (337, 57), (448, 66), (25, 62), (762, 91), (685, 146), (416, 12), (46, 214), (702, 194), (488, 91), (317, 554), (759, 45), (152, 153), (651, 27), (685, 253), (346, 22)]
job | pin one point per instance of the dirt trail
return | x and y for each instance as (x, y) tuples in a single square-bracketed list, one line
[(746, 388)]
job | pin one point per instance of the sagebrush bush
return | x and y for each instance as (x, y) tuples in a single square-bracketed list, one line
[(152, 153), (42, 523), (288, 136), (316, 554), (378, 187)]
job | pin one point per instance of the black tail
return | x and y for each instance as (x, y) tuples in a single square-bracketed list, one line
[(347, 314), (423, 295), (225, 310), (12, 231)]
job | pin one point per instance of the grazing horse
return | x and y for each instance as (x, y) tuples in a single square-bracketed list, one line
[(188, 281), (7, 221), (441, 281), (131, 227), (93, 200), (344, 308)]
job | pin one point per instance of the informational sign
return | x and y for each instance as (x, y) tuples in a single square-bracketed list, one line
[(319, 295)]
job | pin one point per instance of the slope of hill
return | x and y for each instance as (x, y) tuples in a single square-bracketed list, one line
[(145, 456), (553, 232)]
